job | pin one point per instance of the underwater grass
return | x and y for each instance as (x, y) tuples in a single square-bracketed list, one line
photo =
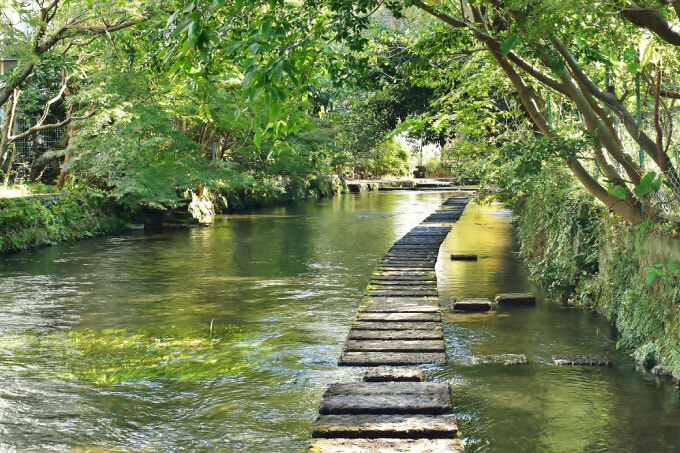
[(114, 356)]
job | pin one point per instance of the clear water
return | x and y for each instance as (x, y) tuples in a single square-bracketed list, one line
[(107, 344)]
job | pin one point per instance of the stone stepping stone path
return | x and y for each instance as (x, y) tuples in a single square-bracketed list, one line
[(582, 360), (500, 359), (479, 304), (463, 257), (398, 327), (516, 299)]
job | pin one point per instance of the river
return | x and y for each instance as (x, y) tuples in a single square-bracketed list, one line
[(224, 338)]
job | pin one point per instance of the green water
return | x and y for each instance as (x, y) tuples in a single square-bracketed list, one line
[(107, 344)]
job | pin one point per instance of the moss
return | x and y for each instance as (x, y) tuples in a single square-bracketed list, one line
[(574, 247), (45, 220)]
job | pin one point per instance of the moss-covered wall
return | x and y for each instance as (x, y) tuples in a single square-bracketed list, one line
[(575, 247), (44, 220)]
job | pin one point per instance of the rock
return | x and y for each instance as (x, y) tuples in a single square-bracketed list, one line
[(395, 345), (344, 445), (391, 426), (502, 359), (478, 304), (392, 374), (387, 398), (516, 299), (582, 360), (409, 316), (352, 358), (430, 334), (463, 257)]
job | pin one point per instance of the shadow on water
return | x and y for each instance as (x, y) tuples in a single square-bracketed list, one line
[(108, 343)]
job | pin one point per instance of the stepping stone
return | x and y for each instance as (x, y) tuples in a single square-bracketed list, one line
[(471, 305), (382, 317), (463, 257), (395, 345), (415, 289), (427, 300), (583, 360), (375, 358), (420, 277), (424, 283), (386, 446), (516, 299), (394, 325), (390, 426), (433, 334), (387, 398), (501, 359), (402, 292), (391, 374), (401, 307)]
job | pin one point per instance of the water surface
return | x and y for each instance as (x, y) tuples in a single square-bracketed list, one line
[(224, 338)]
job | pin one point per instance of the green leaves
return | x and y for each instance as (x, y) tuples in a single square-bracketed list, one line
[(668, 272), (618, 192), (648, 183), (510, 43)]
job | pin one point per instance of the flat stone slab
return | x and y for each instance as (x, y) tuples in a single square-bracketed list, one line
[(405, 292), (396, 325), (431, 334), (420, 277), (395, 345), (463, 257), (391, 426), (471, 305), (387, 398), (500, 359), (376, 358), (516, 299), (405, 283), (394, 307), (392, 374), (581, 360), (366, 316), (386, 446), (417, 288)]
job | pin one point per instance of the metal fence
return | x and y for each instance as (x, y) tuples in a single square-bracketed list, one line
[(28, 149)]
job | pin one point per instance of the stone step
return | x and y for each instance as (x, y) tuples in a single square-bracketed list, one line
[(390, 426), (516, 299), (430, 334), (581, 360), (395, 345), (422, 276), (463, 257), (402, 292), (345, 445), (411, 289), (387, 398), (471, 305), (426, 283), (396, 325), (382, 317), (375, 358), (401, 307), (500, 359), (393, 374)]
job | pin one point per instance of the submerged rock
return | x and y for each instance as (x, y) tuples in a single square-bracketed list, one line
[(582, 360), (501, 359)]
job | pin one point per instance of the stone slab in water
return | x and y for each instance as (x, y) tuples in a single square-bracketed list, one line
[(500, 359), (463, 257), (386, 446), (396, 325), (408, 283), (393, 374), (420, 277), (355, 358), (516, 299), (404, 292), (471, 305), (387, 398), (582, 360), (430, 334), (401, 307), (428, 300), (390, 426), (369, 316), (395, 345)]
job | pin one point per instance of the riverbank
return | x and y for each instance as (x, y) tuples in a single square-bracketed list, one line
[(40, 220), (575, 249)]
